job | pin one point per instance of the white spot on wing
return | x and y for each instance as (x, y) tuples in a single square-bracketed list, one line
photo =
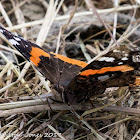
[(107, 59), (124, 58), (13, 42), (102, 59), (1, 30), (17, 39), (125, 54), (120, 63), (110, 59), (116, 50)]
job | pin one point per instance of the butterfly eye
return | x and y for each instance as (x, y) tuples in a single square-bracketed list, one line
[(136, 58)]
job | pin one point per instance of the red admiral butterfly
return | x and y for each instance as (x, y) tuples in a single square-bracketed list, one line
[(76, 80)]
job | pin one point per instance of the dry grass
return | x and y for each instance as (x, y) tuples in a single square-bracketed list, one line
[(25, 109)]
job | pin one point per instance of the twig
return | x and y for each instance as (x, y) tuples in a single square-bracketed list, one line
[(85, 106), (115, 22), (103, 23), (98, 136), (65, 17), (83, 48)]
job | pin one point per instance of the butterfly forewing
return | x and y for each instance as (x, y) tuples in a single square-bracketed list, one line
[(52, 66)]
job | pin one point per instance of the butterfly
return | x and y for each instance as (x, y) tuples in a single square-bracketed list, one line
[(76, 80)]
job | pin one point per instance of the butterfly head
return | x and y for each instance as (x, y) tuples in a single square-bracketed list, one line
[(136, 57)]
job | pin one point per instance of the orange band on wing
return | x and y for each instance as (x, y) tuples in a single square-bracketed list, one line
[(36, 53), (71, 61), (137, 81), (122, 68)]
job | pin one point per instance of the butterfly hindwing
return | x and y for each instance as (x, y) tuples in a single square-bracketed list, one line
[(108, 71)]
